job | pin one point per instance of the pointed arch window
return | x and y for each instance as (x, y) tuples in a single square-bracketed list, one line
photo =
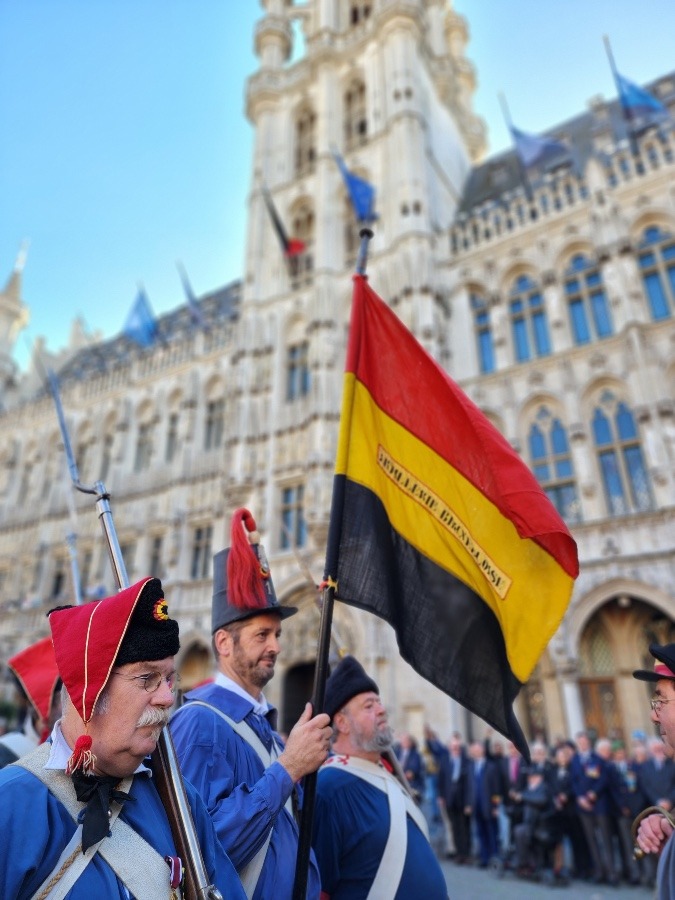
[(305, 142), (107, 451), (144, 445), (657, 265), (551, 462), (214, 423), (483, 331), (620, 459), (529, 325), (297, 371), (293, 523), (171, 446), (355, 122), (587, 302)]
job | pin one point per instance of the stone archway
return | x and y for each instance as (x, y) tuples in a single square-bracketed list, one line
[(613, 643)]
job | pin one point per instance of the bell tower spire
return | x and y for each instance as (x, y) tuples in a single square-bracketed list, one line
[(14, 316)]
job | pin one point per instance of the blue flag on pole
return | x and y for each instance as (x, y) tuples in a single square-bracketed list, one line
[(140, 325), (640, 108), (194, 307), (535, 150), (361, 192)]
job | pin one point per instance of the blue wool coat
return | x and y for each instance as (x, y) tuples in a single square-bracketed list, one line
[(243, 798), (36, 828)]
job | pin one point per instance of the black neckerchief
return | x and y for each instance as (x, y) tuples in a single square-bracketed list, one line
[(97, 791)]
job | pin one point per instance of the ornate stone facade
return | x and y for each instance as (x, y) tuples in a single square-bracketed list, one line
[(550, 299)]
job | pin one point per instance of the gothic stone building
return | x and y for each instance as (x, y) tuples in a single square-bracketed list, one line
[(550, 299)]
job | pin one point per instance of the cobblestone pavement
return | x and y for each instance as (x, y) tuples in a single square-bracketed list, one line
[(469, 883)]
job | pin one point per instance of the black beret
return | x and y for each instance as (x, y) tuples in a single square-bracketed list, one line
[(347, 679)]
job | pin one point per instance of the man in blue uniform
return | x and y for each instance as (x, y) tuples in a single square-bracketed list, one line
[(82, 813), (370, 838), (225, 735)]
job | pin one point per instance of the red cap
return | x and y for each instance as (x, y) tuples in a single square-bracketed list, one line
[(87, 639), (38, 674)]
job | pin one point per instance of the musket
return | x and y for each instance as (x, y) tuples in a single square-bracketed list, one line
[(196, 885)]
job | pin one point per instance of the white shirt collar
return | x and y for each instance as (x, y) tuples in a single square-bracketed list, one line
[(260, 705), (60, 752)]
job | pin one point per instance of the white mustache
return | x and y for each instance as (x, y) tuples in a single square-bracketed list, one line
[(152, 716)]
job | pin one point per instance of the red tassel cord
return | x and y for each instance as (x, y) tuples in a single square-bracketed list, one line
[(82, 757)]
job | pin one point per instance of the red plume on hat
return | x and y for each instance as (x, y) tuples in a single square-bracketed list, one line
[(37, 672), (246, 572)]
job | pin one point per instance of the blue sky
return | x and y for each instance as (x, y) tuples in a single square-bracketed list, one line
[(124, 146)]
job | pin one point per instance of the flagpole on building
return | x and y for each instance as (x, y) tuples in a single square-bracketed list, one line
[(632, 140), (529, 193), (362, 259), (329, 587)]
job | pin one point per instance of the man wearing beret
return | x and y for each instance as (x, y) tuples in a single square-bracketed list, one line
[(655, 833), (81, 815), (225, 735), (370, 838)]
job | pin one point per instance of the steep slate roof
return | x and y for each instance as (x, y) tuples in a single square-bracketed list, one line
[(503, 173)]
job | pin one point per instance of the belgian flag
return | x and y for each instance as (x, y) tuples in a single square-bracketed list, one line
[(437, 525)]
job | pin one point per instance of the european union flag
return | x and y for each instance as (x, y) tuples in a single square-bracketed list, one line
[(140, 325), (640, 108), (535, 150), (361, 192)]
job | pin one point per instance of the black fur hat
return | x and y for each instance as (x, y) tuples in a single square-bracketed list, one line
[(347, 679)]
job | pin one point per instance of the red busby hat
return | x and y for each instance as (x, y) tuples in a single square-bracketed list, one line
[(132, 626), (664, 667), (242, 583), (37, 672)]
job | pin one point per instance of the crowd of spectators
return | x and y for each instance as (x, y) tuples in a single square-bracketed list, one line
[(565, 815)]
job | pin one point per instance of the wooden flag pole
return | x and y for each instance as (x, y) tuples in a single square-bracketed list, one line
[(320, 676)]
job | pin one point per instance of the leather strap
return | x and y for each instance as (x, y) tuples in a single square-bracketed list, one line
[(135, 862), (388, 876), (250, 873)]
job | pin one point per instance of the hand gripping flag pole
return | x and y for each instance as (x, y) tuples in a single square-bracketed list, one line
[(169, 780), (329, 588)]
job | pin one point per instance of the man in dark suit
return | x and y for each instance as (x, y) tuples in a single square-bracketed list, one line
[(589, 776), (626, 802), (453, 795), (656, 777), (412, 764), (483, 802)]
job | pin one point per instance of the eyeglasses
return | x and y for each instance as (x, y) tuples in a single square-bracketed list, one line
[(152, 680), (657, 704)]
